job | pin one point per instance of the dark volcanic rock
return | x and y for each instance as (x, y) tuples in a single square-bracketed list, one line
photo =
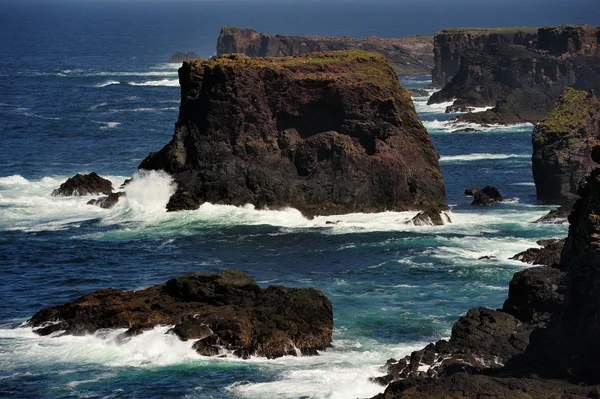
[(548, 255), (223, 311), (523, 82), (107, 202), (488, 196), (431, 217), (181, 56), (409, 55), (418, 92), (471, 192), (562, 145), (556, 216), (80, 185), (458, 108), (326, 133), (451, 44)]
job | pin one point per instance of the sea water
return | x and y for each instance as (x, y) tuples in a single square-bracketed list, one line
[(84, 86)]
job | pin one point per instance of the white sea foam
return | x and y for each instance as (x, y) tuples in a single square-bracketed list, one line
[(109, 125), (144, 109), (481, 157), (162, 82), (107, 83), (449, 126)]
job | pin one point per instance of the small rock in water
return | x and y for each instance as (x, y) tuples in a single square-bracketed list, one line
[(418, 92), (430, 217), (107, 202), (80, 185), (458, 108), (489, 196)]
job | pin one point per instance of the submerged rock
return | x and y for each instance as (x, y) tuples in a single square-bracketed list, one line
[(412, 55), (226, 311), (80, 185), (325, 133), (562, 145)]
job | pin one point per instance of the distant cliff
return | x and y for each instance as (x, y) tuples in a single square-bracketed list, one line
[(451, 44), (562, 145), (523, 81), (410, 55), (325, 133)]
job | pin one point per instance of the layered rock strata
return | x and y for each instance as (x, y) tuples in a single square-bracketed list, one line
[(223, 312), (411, 55), (325, 133)]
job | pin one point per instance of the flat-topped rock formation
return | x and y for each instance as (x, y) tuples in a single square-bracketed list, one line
[(325, 133), (223, 312), (562, 145), (521, 80), (411, 55)]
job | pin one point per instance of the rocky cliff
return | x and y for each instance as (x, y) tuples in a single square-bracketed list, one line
[(221, 312), (451, 44), (326, 133), (524, 81), (562, 145), (542, 343), (410, 55)]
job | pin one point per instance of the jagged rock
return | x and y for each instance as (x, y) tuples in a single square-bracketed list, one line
[(325, 133), (431, 217), (80, 185), (471, 192), (411, 55), (458, 108), (181, 56), (556, 216), (548, 255), (451, 44), (488, 196), (418, 92), (226, 311), (562, 144), (523, 81), (107, 202)]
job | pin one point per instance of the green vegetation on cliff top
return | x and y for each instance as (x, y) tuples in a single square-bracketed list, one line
[(487, 31), (351, 65), (569, 113)]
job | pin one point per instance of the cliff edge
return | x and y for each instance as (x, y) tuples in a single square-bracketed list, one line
[(411, 55), (325, 133)]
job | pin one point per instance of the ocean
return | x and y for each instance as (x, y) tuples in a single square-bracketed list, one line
[(85, 86)]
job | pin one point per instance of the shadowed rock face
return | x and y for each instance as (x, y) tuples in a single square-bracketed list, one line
[(562, 145), (223, 311), (451, 44), (80, 185), (524, 81), (410, 55), (326, 133)]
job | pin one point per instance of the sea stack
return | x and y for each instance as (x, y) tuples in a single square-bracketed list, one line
[(325, 133), (562, 145), (411, 55)]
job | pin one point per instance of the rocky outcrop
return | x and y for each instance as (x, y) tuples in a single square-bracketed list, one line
[(451, 44), (562, 145), (181, 56), (549, 254), (223, 312), (431, 217), (81, 185), (556, 216), (488, 196), (522, 82), (107, 202), (325, 133), (410, 55)]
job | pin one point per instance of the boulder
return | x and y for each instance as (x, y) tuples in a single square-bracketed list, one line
[(325, 133), (223, 312), (412, 55), (82, 185), (431, 217)]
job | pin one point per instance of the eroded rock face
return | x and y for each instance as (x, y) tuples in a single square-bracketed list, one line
[(80, 185), (326, 133), (451, 44), (562, 145), (226, 311), (523, 81), (410, 55)]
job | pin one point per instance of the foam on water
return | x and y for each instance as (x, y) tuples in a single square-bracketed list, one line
[(450, 126), (162, 82), (107, 83), (481, 157)]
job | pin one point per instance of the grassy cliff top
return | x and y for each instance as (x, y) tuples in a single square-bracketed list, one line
[(351, 65), (487, 31), (569, 113)]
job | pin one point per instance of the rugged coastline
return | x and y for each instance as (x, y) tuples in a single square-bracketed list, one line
[(409, 55)]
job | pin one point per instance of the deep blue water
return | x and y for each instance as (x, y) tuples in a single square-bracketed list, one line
[(84, 86)]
